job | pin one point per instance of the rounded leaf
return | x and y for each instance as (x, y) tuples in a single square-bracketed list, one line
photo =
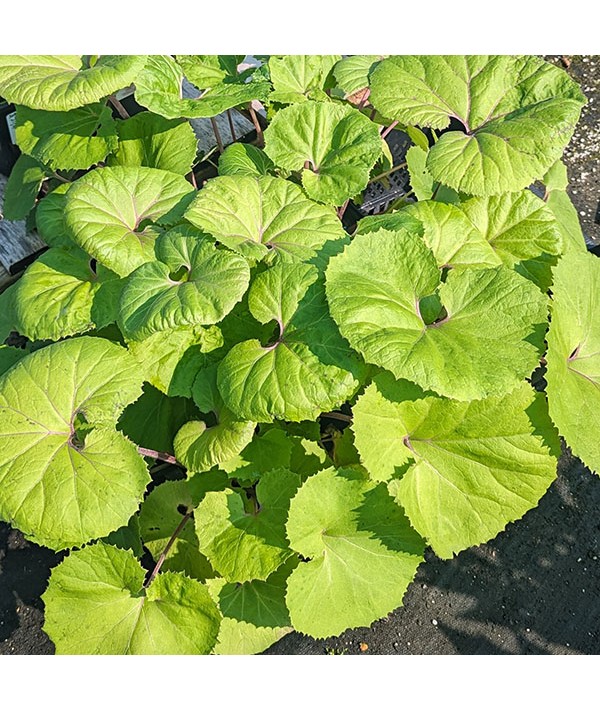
[(192, 283), (107, 212), (61, 83), (66, 475), (96, 604)]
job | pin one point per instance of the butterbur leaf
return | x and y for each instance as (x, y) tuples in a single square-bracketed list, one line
[(574, 355), (333, 145), (473, 467), (67, 140), (9, 356), (354, 73), (159, 88), (244, 159), (64, 293), (107, 213), (268, 450), (307, 369), (191, 283), (242, 545), (199, 446), (22, 188), (453, 239), (96, 604), (209, 70), (420, 179), (170, 360), (478, 340), (518, 114), (258, 215), (362, 554), (155, 142), (295, 76), (518, 226), (66, 475), (161, 514), (62, 83)]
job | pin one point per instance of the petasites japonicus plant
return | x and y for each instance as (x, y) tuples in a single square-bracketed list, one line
[(238, 418)]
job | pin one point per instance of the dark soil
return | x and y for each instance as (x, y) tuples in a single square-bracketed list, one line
[(535, 589)]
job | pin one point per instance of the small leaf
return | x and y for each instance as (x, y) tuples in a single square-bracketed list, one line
[(420, 180), (245, 546), (295, 76), (244, 159), (96, 604), (561, 206), (49, 218), (339, 145), (64, 293), (160, 516), (354, 73), (22, 188)]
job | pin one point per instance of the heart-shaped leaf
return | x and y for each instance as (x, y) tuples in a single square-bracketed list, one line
[(66, 475), (518, 114), (96, 604)]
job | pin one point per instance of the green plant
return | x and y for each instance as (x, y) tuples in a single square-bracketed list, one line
[(216, 335)]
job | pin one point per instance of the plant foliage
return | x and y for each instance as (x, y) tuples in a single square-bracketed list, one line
[(221, 330)]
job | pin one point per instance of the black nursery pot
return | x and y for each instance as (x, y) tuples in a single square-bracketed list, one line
[(8, 151)]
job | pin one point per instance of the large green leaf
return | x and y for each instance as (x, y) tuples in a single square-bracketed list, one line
[(62, 83), (256, 215), (362, 554), (67, 140), (268, 450), (63, 293), (333, 145), (159, 89), (107, 213), (151, 140), (466, 338), (66, 475), (191, 283), (471, 468), (451, 237), (96, 604), (307, 369), (296, 77), (574, 355), (244, 541), (518, 114), (160, 516)]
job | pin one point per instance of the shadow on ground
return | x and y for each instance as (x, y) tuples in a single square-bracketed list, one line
[(535, 589)]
